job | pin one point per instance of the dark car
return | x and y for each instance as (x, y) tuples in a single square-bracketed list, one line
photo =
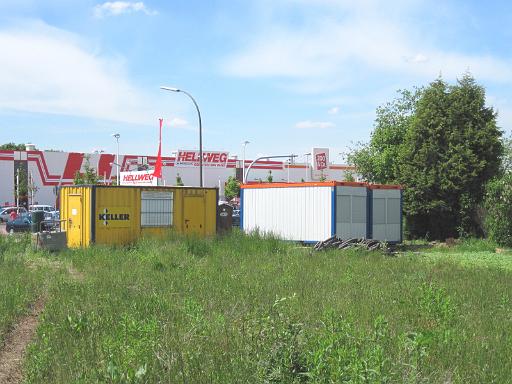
[(236, 218), (20, 224)]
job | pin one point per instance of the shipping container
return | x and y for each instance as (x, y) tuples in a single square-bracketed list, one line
[(120, 215), (307, 212), (311, 212), (386, 212)]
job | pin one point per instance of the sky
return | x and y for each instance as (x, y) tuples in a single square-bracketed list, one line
[(285, 75)]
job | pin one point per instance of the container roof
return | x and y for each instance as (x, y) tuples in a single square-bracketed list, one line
[(320, 184)]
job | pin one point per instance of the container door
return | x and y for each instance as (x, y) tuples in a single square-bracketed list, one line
[(194, 215), (74, 221)]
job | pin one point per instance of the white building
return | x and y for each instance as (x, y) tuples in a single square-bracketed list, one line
[(47, 170)]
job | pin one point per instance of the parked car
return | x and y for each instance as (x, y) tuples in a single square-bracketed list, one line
[(236, 218), (51, 221), (41, 207), (5, 213), (20, 224)]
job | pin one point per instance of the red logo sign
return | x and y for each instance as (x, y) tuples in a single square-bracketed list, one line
[(321, 161)]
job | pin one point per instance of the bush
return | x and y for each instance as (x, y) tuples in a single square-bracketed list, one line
[(498, 202)]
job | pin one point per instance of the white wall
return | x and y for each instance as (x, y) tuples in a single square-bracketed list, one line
[(6, 182), (293, 213)]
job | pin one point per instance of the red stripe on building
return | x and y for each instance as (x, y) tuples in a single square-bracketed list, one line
[(73, 164), (104, 165)]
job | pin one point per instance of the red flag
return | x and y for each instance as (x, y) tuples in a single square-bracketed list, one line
[(158, 165)]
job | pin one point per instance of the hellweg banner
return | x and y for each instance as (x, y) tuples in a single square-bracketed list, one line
[(187, 158)]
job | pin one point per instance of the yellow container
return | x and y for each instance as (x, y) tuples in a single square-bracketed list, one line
[(120, 215)]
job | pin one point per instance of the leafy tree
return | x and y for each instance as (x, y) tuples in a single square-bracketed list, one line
[(349, 176), (270, 178), (441, 143), (88, 177), (377, 160), (232, 188), (507, 155), (12, 147), (179, 181), (78, 179), (498, 203)]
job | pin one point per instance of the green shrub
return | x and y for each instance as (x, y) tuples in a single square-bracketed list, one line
[(498, 202)]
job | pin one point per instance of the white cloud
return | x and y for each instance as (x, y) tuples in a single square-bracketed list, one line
[(333, 110), (314, 124), (178, 122), (47, 70), (418, 58), (115, 8), (331, 50)]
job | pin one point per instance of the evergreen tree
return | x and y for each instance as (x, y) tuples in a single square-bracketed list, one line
[(451, 149), (441, 143)]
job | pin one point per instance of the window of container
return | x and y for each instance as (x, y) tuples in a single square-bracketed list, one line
[(156, 209)]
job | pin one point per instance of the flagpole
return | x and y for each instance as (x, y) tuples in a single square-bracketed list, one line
[(157, 172)]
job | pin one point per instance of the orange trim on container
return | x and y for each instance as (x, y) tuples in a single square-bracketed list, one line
[(384, 186), (343, 167), (305, 184)]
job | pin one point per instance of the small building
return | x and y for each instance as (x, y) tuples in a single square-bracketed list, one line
[(122, 214), (315, 211)]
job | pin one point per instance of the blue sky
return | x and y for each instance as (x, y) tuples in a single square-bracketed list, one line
[(286, 75)]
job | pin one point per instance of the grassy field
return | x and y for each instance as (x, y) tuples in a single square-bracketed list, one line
[(21, 282), (250, 309)]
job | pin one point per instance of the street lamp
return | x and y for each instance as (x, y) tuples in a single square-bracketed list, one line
[(307, 165), (243, 161), (171, 89), (117, 136), (266, 157)]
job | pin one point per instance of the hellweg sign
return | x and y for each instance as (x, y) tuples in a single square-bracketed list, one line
[(188, 158), (139, 178)]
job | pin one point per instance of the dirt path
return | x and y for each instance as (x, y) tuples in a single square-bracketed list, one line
[(11, 355), (16, 341)]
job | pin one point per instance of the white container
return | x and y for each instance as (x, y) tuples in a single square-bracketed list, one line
[(307, 212)]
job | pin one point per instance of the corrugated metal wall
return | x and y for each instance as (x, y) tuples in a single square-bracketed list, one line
[(113, 215), (351, 212), (386, 215), (294, 213)]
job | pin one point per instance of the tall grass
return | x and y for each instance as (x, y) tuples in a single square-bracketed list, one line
[(19, 284), (256, 309)]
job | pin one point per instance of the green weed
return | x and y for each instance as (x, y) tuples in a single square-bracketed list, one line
[(251, 308)]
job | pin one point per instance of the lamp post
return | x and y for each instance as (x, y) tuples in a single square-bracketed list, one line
[(266, 157), (243, 161), (171, 89), (117, 136), (307, 165)]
